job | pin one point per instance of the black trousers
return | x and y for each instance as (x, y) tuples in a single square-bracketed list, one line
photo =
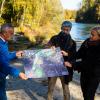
[(89, 86)]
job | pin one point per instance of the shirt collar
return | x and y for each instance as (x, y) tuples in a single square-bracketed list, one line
[(2, 39)]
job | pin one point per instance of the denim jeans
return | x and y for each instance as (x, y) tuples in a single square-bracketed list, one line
[(3, 89)]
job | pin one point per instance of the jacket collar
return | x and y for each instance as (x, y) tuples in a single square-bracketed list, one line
[(2, 39)]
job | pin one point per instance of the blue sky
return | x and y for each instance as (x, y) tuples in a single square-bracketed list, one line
[(71, 4)]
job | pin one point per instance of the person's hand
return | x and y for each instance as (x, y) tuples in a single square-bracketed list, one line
[(68, 64), (64, 53), (19, 54), (23, 76)]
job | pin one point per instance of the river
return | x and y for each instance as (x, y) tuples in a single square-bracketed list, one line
[(81, 31)]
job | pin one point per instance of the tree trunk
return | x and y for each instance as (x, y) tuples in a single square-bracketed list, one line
[(2, 8)]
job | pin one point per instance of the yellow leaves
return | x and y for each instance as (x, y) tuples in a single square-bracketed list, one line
[(43, 16), (70, 14)]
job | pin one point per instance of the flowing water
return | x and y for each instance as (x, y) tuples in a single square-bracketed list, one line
[(81, 31)]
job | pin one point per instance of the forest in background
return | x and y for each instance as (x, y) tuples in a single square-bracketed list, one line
[(89, 12), (33, 17), (44, 17)]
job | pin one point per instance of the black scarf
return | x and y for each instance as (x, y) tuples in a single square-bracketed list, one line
[(90, 43), (65, 41)]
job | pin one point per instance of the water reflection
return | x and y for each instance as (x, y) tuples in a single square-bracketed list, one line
[(81, 31)]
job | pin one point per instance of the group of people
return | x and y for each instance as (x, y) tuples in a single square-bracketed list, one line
[(86, 61)]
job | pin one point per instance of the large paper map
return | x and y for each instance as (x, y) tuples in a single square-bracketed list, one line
[(44, 63)]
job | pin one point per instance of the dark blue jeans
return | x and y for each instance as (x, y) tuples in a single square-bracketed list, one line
[(3, 89)]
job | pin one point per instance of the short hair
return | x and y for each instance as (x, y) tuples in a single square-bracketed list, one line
[(4, 26), (66, 24), (97, 29)]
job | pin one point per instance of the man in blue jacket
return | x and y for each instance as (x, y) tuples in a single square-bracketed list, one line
[(6, 32)]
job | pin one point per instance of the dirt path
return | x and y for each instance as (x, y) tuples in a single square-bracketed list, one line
[(36, 89)]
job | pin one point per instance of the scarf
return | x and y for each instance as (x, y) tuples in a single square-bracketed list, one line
[(64, 41)]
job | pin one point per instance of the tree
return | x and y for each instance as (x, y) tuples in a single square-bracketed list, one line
[(1, 9), (89, 12)]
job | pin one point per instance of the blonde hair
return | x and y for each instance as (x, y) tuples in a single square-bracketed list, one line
[(97, 29)]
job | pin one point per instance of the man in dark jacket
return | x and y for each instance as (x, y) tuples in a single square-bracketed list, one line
[(6, 33), (68, 50)]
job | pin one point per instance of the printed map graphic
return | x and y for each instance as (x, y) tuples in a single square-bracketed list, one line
[(44, 63)]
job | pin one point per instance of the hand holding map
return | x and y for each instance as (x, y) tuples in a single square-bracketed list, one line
[(44, 63)]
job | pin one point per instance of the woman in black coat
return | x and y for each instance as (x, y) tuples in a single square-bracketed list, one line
[(89, 53)]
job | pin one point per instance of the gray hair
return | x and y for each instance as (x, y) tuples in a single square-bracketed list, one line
[(4, 26)]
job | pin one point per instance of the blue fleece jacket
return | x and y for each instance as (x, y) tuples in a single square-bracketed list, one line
[(5, 57)]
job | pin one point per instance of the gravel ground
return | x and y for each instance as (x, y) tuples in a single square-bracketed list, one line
[(36, 89)]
